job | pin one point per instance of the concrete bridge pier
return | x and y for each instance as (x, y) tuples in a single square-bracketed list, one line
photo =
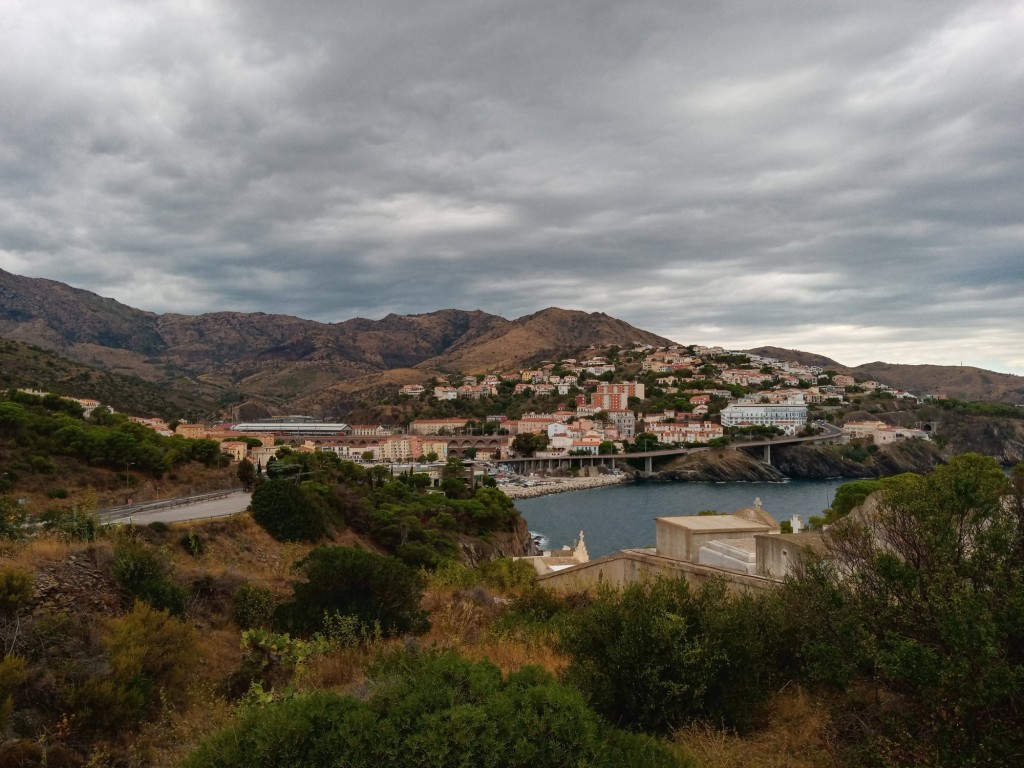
[(767, 454), (648, 465)]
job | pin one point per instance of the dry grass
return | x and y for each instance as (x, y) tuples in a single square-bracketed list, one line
[(237, 550), (795, 736), (171, 738), (509, 654), (335, 671), (463, 620), (237, 545), (38, 552), (221, 655)]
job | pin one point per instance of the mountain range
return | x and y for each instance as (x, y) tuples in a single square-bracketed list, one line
[(291, 363)]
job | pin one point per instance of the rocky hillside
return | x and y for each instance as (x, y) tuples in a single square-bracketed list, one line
[(281, 360), (803, 462), (32, 367), (543, 334), (958, 382), (57, 316)]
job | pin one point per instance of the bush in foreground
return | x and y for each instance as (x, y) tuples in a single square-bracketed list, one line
[(916, 619), (659, 655), (376, 589), (287, 513), (434, 710), (142, 572)]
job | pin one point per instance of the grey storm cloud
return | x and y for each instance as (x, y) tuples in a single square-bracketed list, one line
[(843, 178)]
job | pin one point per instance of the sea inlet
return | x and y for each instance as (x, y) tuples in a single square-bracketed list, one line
[(622, 516)]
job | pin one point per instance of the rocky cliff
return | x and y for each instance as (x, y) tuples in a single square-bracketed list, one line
[(805, 462), (518, 543), (818, 462), (716, 466)]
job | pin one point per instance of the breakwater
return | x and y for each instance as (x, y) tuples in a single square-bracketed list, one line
[(549, 485)]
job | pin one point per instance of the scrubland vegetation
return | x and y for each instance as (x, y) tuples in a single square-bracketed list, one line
[(51, 453), (338, 624)]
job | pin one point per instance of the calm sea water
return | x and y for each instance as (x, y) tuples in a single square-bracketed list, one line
[(621, 516)]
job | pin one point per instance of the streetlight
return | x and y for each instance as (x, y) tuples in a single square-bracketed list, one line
[(127, 477)]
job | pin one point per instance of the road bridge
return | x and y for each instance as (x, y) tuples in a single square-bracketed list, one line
[(830, 434)]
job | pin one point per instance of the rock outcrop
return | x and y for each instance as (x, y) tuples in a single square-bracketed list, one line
[(716, 466), (805, 462), (75, 585), (517, 543)]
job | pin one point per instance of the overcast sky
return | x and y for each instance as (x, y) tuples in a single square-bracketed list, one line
[(843, 178)]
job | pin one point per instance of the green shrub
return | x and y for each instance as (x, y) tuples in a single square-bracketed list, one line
[(15, 589), (923, 605), (302, 731), (22, 752), (658, 655), (139, 570), (254, 606), (151, 657), (102, 705), (532, 609), (71, 524), (852, 494), (429, 710), (342, 631), (136, 564), (13, 518), (287, 513), (57, 493), (507, 574), (152, 651), (452, 574), (377, 589), (12, 675), (192, 543)]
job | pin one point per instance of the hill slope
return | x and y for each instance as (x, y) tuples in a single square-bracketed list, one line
[(958, 382), (279, 359), (282, 360), (28, 366)]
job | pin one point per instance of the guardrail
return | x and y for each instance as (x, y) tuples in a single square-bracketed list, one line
[(126, 510)]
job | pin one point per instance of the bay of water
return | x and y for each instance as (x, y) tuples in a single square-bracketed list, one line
[(622, 516)]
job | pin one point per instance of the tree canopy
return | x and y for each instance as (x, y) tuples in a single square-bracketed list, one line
[(434, 709), (922, 598), (376, 589)]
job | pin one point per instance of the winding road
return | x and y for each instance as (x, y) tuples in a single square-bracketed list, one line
[(179, 510)]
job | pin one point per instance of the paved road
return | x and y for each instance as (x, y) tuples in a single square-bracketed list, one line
[(222, 507)]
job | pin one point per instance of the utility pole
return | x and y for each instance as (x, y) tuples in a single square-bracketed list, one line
[(127, 477)]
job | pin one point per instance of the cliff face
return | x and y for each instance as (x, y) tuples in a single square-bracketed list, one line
[(998, 437), (518, 543), (717, 466), (804, 462), (819, 462)]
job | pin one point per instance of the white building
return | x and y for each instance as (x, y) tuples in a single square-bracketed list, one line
[(789, 416)]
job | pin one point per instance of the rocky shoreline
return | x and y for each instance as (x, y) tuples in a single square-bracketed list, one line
[(734, 465), (801, 462), (548, 485)]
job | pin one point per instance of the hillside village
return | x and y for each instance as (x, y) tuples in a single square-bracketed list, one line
[(605, 403)]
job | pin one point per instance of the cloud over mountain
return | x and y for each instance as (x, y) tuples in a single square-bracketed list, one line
[(845, 178)]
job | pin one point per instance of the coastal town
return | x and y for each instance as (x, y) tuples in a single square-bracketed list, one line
[(607, 403)]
